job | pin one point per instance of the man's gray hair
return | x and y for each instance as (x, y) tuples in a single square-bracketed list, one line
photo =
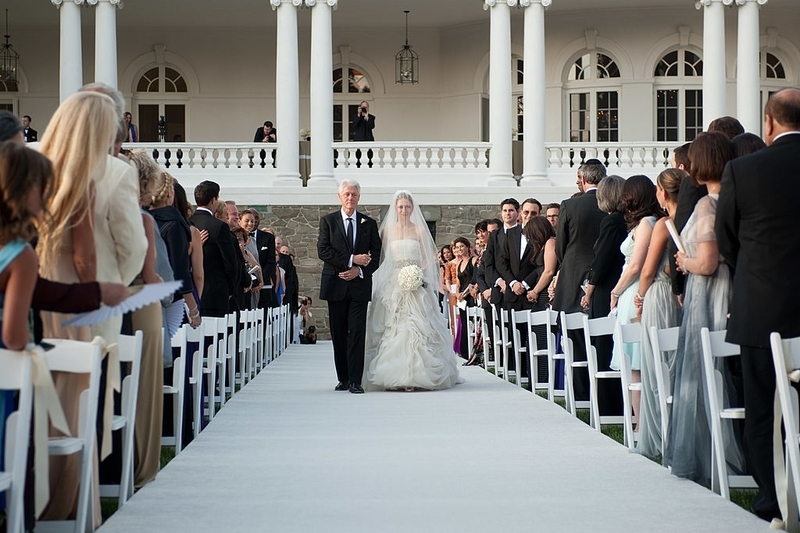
[(119, 103), (349, 183), (592, 172)]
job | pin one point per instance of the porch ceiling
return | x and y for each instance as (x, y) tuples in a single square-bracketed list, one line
[(350, 13)]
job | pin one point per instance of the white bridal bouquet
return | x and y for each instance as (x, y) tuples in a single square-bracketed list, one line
[(410, 278)]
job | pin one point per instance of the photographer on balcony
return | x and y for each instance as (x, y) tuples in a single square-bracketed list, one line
[(266, 134), (362, 130)]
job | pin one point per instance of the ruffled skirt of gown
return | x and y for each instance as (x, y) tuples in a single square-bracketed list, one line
[(409, 345)]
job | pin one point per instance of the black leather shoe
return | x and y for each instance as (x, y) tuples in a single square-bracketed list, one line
[(355, 388), (343, 385)]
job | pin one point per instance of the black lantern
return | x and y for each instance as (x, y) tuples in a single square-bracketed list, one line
[(406, 62), (9, 62)]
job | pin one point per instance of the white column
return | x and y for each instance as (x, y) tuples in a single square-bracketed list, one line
[(748, 76), (713, 59), (105, 41), (500, 102), (534, 170), (287, 94), (321, 93), (70, 50)]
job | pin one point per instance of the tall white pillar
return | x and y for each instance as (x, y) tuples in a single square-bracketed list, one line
[(321, 93), (748, 76), (105, 41), (500, 98), (534, 170), (70, 70), (713, 59), (287, 94)]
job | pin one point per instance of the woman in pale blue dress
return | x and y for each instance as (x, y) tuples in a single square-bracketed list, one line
[(408, 345), (641, 212), (657, 307), (705, 304)]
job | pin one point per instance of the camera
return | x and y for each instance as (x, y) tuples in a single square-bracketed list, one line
[(363, 109)]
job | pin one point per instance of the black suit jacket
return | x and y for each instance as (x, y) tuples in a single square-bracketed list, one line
[(334, 250), (292, 289), (265, 242), (31, 135), (578, 227), (756, 228), (512, 267), (221, 268), (259, 136), (362, 130), (607, 264)]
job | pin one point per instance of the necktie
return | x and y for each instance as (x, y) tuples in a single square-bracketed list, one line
[(350, 232)]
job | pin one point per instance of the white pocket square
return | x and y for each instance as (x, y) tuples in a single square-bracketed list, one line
[(264, 248)]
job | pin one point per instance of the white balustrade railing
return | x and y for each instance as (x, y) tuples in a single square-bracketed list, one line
[(411, 155), (619, 155), (210, 155)]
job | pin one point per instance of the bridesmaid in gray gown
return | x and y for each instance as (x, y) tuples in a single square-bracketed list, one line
[(657, 306), (706, 300)]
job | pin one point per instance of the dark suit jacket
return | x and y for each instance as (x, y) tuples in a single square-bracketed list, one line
[(259, 136), (607, 264), (335, 252), (491, 256), (688, 196), (292, 289), (511, 268), (757, 232), (221, 267), (265, 242), (31, 135), (578, 227), (362, 130)]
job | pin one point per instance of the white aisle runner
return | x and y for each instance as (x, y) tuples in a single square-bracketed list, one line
[(289, 454)]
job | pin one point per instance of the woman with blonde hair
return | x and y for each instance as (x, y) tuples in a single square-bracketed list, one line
[(93, 232)]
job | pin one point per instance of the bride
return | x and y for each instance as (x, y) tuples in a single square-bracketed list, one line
[(408, 345)]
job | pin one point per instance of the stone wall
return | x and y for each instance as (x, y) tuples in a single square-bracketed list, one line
[(298, 226)]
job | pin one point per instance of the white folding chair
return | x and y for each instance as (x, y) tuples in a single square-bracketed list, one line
[(786, 357), (520, 318), (78, 358), (231, 328), (663, 341), (627, 334), (276, 332), (259, 338), (499, 350), (541, 319), (245, 349), (203, 364), (221, 342), (597, 327), (714, 346), (130, 351), (176, 390), (472, 328), (572, 322), (16, 376)]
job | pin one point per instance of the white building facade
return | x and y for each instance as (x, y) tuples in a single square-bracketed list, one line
[(512, 94)]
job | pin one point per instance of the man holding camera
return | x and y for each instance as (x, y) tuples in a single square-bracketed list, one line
[(362, 130)]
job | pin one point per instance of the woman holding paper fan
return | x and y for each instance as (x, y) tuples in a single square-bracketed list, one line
[(408, 346), (706, 298), (657, 306)]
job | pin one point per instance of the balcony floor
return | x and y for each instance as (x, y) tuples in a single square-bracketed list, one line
[(290, 454)]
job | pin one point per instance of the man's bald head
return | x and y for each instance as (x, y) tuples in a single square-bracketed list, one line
[(782, 113)]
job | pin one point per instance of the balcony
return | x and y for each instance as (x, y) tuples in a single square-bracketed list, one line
[(438, 172)]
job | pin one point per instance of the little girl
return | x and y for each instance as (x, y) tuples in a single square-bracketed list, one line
[(25, 177)]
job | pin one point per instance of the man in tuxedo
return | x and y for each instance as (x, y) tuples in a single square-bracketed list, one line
[(756, 229), (350, 247), (291, 294), (222, 270), (579, 221), (265, 243), (490, 226), (30, 134)]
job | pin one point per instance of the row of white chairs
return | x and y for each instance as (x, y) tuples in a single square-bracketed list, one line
[(231, 352), (506, 327)]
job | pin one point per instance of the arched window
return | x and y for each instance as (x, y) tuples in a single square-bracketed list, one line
[(347, 98), (161, 91), (679, 96), (518, 68), (592, 83)]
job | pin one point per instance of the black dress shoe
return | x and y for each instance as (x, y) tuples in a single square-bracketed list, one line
[(355, 388), (343, 385)]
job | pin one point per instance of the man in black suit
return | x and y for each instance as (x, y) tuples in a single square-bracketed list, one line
[(222, 271), (579, 221), (490, 226), (362, 131), (266, 134), (291, 296), (30, 134), (350, 247), (756, 228)]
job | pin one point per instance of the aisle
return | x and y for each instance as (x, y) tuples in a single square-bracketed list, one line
[(288, 454)]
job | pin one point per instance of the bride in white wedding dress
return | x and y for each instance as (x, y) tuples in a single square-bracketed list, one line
[(408, 345)]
